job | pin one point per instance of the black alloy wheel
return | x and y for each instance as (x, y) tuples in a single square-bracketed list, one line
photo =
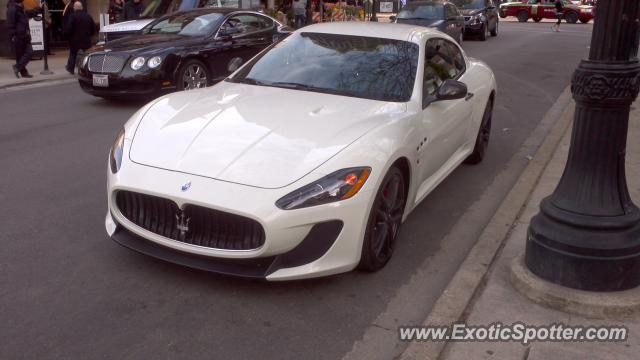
[(384, 222), (523, 16), (193, 74), (482, 140)]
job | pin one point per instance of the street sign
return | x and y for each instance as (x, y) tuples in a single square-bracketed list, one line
[(37, 38), (386, 6)]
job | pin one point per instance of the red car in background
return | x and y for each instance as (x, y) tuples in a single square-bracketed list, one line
[(545, 9)]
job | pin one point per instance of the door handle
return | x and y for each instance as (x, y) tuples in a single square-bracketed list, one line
[(468, 97)]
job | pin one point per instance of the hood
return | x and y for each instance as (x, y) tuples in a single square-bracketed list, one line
[(132, 25), (421, 22), (145, 42), (249, 135), (470, 12)]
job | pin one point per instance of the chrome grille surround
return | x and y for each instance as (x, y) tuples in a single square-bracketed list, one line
[(106, 63)]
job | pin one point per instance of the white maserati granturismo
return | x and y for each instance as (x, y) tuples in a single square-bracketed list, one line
[(307, 159)]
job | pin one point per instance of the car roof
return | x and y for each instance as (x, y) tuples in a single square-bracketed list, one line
[(404, 32), (211, 10)]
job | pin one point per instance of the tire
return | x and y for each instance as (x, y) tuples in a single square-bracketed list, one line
[(494, 32), (482, 139), (537, 19), (523, 16), (483, 33), (571, 17), (193, 74), (584, 21), (384, 222)]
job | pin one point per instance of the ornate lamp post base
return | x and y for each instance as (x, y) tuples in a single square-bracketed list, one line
[(587, 234)]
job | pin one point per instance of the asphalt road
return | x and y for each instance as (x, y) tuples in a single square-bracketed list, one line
[(68, 292)]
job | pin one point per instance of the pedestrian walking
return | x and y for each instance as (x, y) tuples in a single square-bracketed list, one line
[(117, 10), (133, 9), (299, 13), (79, 30), (559, 15), (20, 35)]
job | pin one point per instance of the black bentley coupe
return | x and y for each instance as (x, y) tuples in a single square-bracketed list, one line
[(181, 51)]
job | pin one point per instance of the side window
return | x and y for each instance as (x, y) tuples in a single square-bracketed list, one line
[(440, 64), (458, 58), (246, 23)]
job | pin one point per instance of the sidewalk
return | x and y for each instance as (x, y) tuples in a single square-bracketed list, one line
[(56, 62), (498, 301)]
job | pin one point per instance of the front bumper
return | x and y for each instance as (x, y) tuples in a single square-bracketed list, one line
[(127, 83), (470, 27), (313, 246), (302, 243)]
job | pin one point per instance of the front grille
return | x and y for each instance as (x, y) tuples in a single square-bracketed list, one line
[(200, 226), (105, 63)]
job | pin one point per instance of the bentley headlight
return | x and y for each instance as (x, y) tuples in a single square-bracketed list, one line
[(336, 186), (154, 62), (115, 156), (137, 63)]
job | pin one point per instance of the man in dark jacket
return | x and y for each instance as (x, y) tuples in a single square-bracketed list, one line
[(133, 9), (79, 30), (20, 35)]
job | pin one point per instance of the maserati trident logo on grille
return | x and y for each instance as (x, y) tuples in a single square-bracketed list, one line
[(185, 186), (182, 224)]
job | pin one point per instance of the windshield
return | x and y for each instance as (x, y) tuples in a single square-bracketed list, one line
[(470, 4), (189, 24), (427, 12), (365, 67)]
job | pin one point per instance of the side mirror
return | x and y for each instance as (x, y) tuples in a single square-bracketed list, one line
[(392, 18), (451, 90)]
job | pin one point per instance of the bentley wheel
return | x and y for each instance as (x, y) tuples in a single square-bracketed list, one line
[(384, 222), (192, 75), (523, 16), (482, 140)]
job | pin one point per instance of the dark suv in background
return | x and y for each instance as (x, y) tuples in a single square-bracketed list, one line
[(437, 14), (480, 17)]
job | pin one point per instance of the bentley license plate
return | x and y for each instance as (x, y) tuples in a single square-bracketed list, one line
[(101, 80)]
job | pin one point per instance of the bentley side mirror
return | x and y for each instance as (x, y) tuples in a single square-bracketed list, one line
[(451, 90)]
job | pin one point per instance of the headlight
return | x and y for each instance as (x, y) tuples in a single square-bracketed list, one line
[(154, 62), (336, 186), (137, 63), (115, 156)]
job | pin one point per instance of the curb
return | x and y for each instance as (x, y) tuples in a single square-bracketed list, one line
[(57, 79), (469, 280)]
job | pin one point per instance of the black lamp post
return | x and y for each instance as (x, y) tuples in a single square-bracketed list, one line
[(587, 234), (373, 17)]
